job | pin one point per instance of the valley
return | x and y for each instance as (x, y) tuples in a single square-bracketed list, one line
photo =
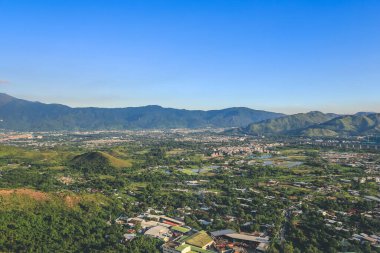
[(115, 191)]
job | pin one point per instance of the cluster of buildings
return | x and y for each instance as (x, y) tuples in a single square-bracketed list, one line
[(230, 241), (222, 241), (353, 159), (374, 240), (16, 138), (179, 238), (363, 180), (248, 149), (202, 136), (199, 242), (331, 220)]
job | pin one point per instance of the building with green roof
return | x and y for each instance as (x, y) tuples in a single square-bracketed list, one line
[(180, 229), (183, 248), (201, 240)]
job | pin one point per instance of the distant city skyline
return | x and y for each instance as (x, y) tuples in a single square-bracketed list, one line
[(282, 56)]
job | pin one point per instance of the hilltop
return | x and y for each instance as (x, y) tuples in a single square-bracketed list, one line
[(97, 162)]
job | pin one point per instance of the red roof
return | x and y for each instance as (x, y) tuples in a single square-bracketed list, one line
[(170, 223)]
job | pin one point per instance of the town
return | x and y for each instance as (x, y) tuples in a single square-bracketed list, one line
[(205, 190)]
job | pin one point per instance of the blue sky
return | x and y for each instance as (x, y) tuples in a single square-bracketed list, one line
[(285, 56)]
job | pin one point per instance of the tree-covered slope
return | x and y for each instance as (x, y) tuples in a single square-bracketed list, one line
[(17, 114), (34, 221), (314, 124), (97, 162), (359, 124), (287, 124)]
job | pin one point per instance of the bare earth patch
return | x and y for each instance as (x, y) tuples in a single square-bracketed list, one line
[(66, 180), (71, 201), (37, 195)]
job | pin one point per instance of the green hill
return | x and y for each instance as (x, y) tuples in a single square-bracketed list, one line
[(359, 124), (317, 124), (97, 162), (287, 124)]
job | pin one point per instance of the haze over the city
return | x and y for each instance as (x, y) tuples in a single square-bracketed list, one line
[(282, 56)]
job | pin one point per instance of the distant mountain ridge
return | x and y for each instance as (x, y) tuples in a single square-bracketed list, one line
[(287, 124), (23, 115), (317, 124), (358, 124)]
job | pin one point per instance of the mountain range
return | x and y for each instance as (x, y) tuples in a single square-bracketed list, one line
[(317, 124), (23, 115)]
